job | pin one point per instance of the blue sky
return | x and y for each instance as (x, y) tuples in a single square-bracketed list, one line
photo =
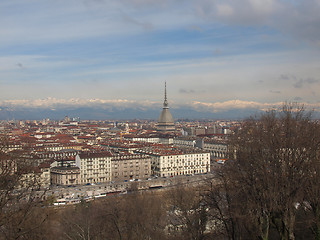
[(215, 55)]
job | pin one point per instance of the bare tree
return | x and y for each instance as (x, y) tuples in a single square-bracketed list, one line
[(135, 216), (267, 170), (187, 213), (19, 200), (311, 202), (142, 216), (226, 203)]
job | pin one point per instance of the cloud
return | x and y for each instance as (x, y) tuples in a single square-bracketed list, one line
[(285, 77), (217, 51), (232, 104), (197, 45), (76, 102), (225, 10), (93, 108), (299, 18), (298, 83), (182, 90), (274, 91), (144, 25), (64, 21), (241, 104), (195, 28), (302, 82), (20, 65), (251, 12), (10, 63)]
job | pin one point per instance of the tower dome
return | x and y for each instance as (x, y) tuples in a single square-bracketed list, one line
[(165, 121)]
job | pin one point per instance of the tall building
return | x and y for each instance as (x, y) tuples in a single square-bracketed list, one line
[(173, 161), (165, 121), (126, 167), (94, 167)]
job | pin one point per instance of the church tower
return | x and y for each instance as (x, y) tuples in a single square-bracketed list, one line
[(165, 121)]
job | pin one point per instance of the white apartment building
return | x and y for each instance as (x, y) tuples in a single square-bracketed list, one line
[(94, 167), (145, 139), (181, 164), (176, 161)]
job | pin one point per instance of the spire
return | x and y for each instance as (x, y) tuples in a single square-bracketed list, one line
[(165, 122), (165, 103)]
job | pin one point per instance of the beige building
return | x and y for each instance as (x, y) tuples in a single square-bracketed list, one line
[(174, 161), (217, 149), (35, 177), (131, 166), (94, 167), (45, 174), (181, 164), (65, 175)]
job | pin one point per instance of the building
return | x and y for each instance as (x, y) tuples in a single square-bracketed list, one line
[(174, 161), (165, 121), (45, 174), (94, 167), (217, 149), (130, 166), (185, 141), (65, 175), (35, 177), (181, 164)]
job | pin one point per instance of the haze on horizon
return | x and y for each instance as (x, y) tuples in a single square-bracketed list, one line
[(110, 54)]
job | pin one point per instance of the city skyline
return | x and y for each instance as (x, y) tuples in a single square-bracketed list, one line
[(217, 58)]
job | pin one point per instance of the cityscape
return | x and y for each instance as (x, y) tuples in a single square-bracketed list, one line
[(159, 120), (71, 151)]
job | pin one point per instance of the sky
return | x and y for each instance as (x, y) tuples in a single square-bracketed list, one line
[(215, 55)]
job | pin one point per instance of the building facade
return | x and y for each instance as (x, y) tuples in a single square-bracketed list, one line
[(217, 149), (94, 167), (65, 175), (164, 165), (130, 167)]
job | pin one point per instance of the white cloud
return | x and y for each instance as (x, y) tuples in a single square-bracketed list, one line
[(210, 107), (300, 18), (222, 65), (225, 10), (242, 105), (38, 21), (76, 102), (233, 104), (265, 7)]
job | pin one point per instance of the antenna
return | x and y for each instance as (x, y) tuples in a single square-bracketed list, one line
[(165, 103), (165, 91)]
